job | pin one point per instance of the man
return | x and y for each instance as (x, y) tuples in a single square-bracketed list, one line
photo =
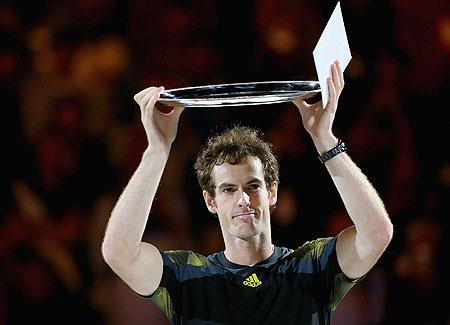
[(252, 281)]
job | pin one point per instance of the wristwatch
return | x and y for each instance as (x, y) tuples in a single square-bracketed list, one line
[(340, 147)]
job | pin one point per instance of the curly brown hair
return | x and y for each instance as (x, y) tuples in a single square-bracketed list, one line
[(233, 146)]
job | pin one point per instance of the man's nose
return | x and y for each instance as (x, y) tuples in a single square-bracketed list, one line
[(244, 199)]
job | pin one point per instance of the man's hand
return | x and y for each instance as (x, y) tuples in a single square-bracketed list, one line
[(316, 120), (161, 128)]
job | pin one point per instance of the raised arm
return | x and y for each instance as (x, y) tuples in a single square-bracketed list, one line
[(140, 264), (358, 247)]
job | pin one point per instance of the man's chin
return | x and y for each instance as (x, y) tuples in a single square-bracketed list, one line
[(246, 231)]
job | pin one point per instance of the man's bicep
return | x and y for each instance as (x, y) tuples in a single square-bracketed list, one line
[(143, 274)]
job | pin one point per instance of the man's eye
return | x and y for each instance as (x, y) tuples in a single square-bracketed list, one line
[(253, 187), (228, 190)]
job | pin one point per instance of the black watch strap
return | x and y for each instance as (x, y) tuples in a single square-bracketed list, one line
[(340, 147)]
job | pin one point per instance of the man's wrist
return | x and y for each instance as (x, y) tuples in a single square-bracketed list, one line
[(325, 143), (340, 147), (156, 151)]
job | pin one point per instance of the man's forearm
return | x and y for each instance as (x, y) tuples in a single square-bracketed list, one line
[(129, 216), (361, 200)]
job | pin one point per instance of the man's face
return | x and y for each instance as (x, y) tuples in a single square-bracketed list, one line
[(242, 200)]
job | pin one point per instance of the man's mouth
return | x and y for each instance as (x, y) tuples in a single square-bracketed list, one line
[(245, 215)]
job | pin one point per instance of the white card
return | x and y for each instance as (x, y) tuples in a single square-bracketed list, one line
[(332, 45)]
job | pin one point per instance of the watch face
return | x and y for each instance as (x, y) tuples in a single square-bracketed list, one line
[(239, 94)]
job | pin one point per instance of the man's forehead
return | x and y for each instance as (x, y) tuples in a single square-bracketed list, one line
[(248, 169)]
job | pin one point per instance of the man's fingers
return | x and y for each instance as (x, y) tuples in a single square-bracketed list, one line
[(148, 99), (340, 74), (331, 105), (300, 103), (150, 102), (140, 95), (145, 99), (335, 75), (309, 104)]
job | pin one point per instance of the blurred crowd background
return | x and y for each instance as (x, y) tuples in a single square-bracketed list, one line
[(71, 137)]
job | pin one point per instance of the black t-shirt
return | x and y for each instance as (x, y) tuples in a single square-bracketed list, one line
[(301, 286)]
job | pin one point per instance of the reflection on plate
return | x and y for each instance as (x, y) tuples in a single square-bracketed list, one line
[(239, 94)]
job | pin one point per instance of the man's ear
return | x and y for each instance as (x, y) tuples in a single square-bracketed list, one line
[(273, 193), (210, 203)]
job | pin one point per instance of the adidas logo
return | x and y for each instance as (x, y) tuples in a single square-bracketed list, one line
[(252, 281)]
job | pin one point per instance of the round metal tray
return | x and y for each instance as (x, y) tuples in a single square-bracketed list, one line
[(239, 94)]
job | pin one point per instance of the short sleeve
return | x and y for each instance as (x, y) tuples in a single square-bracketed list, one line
[(176, 266), (332, 283)]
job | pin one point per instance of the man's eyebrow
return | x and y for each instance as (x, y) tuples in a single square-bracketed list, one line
[(255, 180), (225, 185), (251, 181)]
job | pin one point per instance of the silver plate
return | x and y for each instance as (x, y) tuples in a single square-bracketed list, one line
[(238, 94)]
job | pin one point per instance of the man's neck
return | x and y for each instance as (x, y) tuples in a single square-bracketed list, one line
[(248, 252)]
